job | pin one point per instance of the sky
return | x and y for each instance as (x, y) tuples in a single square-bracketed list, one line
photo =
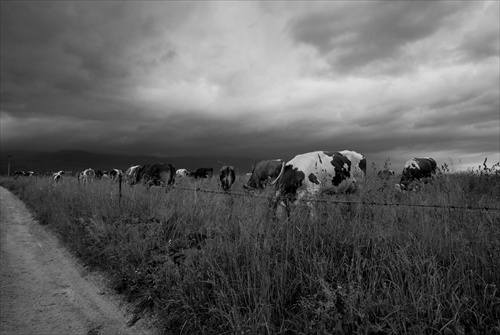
[(391, 80)]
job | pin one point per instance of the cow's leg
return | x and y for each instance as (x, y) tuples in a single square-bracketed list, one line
[(274, 205)]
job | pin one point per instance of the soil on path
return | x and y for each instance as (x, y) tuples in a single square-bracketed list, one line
[(44, 290)]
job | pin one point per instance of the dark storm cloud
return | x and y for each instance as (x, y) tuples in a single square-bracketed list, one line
[(355, 34), (60, 50), (263, 80)]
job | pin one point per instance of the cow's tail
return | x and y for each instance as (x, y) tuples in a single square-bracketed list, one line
[(254, 165), (281, 173)]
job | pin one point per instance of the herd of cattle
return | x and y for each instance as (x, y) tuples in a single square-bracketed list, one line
[(312, 173)]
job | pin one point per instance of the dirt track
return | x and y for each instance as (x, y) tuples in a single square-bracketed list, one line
[(43, 289)]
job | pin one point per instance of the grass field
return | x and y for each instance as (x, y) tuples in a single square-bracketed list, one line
[(214, 263)]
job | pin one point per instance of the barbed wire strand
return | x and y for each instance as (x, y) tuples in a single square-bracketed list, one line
[(251, 194)]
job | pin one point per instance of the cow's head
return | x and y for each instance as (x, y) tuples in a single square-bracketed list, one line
[(253, 181)]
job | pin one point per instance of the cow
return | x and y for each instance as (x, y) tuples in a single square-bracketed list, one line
[(417, 169), (58, 176), (202, 173), (86, 176), (99, 174), (131, 174), (263, 172), (227, 177), (181, 173), (155, 174), (22, 174), (385, 174), (115, 174), (313, 173)]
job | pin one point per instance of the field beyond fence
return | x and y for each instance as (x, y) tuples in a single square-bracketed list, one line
[(378, 261)]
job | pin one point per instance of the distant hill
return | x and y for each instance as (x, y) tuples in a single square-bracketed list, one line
[(75, 160)]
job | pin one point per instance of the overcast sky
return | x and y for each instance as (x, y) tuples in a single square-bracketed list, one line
[(253, 79)]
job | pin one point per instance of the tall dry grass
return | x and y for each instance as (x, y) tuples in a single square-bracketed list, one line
[(212, 263)]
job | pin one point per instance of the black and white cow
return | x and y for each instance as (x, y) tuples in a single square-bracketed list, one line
[(417, 169), (22, 174), (86, 176), (385, 174), (227, 177), (155, 174), (182, 173), (202, 173), (263, 172), (317, 172), (58, 176), (131, 174)]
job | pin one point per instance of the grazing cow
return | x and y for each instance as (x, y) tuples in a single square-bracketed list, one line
[(227, 177), (318, 172), (22, 174), (155, 174), (99, 174), (86, 176), (58, 176), (131, 174), (202, 173), (181, 173), (385, 174), (417, 169), (263, 172), (115, 175)]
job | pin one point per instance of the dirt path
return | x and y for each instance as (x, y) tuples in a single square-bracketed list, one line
[(43, 289)]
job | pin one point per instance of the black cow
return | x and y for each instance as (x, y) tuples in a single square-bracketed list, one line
[(202, 173), (227, 177), (263, 172), (99, 173), (155, 174), (115, 174), (385, 174), (417, 169)]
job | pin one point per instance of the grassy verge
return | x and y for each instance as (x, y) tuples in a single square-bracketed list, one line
[(210, 263)]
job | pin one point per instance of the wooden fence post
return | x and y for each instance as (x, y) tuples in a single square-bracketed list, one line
[(119, 189)]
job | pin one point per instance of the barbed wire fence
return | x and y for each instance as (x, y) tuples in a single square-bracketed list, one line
[(254, 194)]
